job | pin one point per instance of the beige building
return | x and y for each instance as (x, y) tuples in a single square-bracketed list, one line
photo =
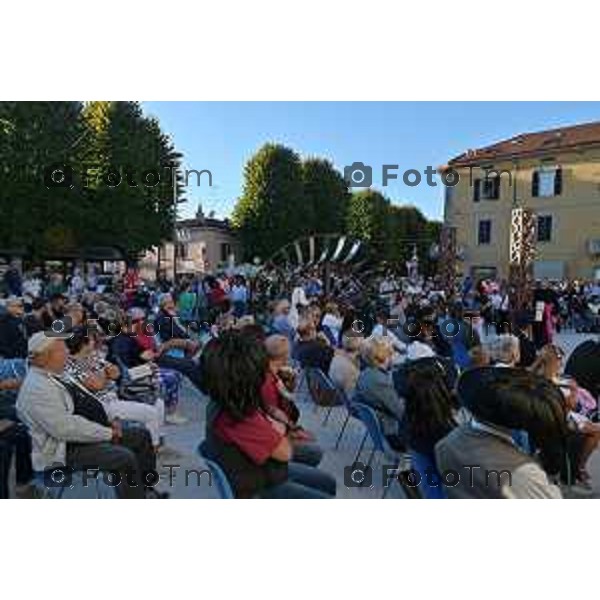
[(556, 174), (204, 245)]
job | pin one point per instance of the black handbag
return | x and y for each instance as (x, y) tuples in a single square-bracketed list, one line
[(142, 390)]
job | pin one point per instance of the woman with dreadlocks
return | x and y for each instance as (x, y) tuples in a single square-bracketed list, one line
[(251, 446)]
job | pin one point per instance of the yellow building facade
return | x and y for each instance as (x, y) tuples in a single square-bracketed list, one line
[(557, 175)]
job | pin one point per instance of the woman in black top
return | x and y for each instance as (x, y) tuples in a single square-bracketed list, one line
[(429, 417)]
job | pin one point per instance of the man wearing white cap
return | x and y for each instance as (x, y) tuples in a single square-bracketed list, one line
[(58, 435)]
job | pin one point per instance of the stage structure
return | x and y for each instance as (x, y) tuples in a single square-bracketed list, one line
[(346, 265), (522, 256), (335, 258)]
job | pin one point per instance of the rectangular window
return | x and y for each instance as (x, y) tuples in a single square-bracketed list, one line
[(225, 251), (490, 188), (487, 188), (476, 190), (544, 228), (484, 233), (546, 182)]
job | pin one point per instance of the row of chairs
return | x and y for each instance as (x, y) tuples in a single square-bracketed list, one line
[(323, 392)]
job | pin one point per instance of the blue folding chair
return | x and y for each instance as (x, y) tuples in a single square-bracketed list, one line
[(349, 404), (323, 391), (221, 481), (368, 417), (423, 465), (301, 390)]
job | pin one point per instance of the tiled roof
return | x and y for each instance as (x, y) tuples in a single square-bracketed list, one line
[(532, 144), (205, 222)]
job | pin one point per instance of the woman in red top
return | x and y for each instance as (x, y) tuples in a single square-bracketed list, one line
[(252, 447)]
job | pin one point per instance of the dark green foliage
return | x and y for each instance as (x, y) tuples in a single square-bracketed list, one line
[(271, 211), (91, 139), (284, 199), (326, 196)]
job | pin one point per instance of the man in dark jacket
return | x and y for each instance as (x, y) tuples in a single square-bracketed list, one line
[(527, 348), (311, 351), (13, 282), (13, 343)]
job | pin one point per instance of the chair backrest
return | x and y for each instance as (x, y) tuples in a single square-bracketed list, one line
[(322, 390), (369, 418), (223, 486), (345, 398)]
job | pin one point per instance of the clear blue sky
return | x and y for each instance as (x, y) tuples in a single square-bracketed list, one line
[(222, 136)]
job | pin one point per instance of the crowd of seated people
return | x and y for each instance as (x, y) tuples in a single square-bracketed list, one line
[(94, 373), (439, 393)]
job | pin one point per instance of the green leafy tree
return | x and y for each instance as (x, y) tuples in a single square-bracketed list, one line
[(409, 228), (392, 230), (130, 165), (367, 216), (90, 140), (326, 196), (34, 136), (405, 228), (270, 212)]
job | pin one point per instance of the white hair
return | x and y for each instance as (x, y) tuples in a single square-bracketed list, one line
[(505, 349)]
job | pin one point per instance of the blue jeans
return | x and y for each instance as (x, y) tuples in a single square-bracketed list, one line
[(304, 483), (17, 440), (307, 453), (186, 366)]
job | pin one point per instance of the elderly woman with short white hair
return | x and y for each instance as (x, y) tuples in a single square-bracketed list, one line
[(505, 350), (376, 389)]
